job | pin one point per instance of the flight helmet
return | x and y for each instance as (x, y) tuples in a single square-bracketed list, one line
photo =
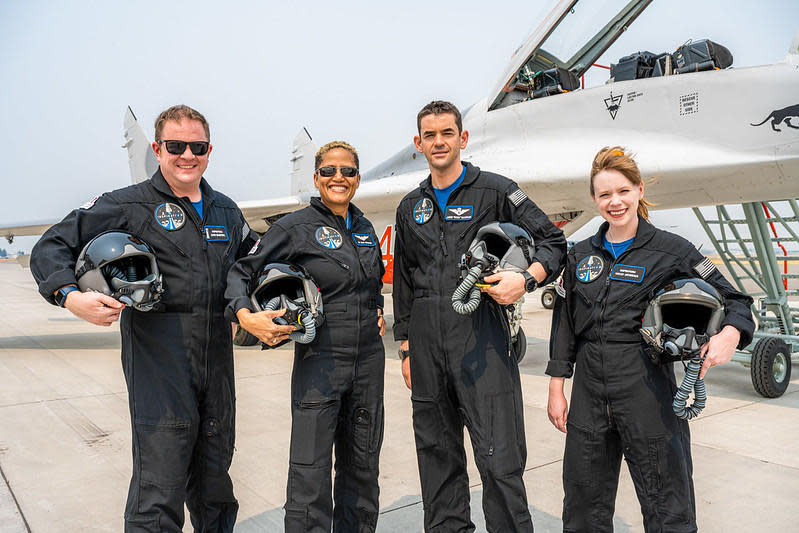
[(681, 317), (290, 287), (499, 246), (122, 266)]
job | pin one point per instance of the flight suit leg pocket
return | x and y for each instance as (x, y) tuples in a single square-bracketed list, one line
[(312, 431), (427, 423), (216, 446), (578, 457), (654, 475), (376, 440), (361, 425), (296, 519), (504, 445), (165, 454)]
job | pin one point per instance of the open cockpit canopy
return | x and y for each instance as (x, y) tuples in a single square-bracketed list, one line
[(572, 37)]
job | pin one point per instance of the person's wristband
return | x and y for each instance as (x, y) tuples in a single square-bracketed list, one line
[(61, 294), (403, 354)]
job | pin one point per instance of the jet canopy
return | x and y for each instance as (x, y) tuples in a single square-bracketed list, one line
[(560, 42)]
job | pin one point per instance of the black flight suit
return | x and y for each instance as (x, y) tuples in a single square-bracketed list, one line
[(621, 401), (462, 368), (177, 358), (337, 380)]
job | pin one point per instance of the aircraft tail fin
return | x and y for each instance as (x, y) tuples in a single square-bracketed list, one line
[(141, 159), (302, 163)]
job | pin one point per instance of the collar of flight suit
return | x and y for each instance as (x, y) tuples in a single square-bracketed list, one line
[(159, 182), (319, 205), (643, 235), (471, 175)]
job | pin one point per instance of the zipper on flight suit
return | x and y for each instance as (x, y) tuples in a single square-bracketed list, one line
[(198, 223)]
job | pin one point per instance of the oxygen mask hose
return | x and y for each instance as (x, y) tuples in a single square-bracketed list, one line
[(460, 303), (305, 318), (691, 382)]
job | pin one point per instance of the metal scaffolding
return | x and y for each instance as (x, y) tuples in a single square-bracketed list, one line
[(756, 250)]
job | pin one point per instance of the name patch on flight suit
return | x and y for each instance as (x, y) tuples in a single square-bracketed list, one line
[(634, 274), (170, 216), (459, 212), (590, 268), (215, 233), (423, 210), (329, 237), (363, 239)]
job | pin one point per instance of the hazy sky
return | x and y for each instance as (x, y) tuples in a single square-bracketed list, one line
[(259, 71)]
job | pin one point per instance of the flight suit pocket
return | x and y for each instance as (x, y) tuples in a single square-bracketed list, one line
[(427, 423), (312, 428), (653, 473), (216, 445), (361, 435), (164, 454), (296, 520), (504, 443), (578, 455)]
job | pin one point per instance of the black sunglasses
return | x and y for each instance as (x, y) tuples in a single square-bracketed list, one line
[(329, 172), (178, 147)]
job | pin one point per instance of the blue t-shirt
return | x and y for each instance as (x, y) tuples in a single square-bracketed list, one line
[(198, 206), (616, 248), (442, 195)]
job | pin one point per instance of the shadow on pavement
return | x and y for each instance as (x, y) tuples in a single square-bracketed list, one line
[(406, 516), (105, 340)]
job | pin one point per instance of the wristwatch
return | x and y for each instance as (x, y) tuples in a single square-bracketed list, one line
[(61, 294), (403, 354), (530, 283)]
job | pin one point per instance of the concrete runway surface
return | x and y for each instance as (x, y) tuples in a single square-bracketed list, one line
[(65, 435)]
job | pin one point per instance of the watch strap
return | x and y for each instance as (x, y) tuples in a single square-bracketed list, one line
[(530, 283), (61, 294)]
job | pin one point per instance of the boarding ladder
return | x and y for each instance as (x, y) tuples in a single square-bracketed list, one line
[(758, 242)]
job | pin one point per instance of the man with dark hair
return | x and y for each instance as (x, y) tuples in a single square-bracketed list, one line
[(178, 357), (460, 368)]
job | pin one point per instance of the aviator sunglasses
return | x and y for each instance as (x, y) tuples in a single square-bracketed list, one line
[(329, 172), (178, 147)]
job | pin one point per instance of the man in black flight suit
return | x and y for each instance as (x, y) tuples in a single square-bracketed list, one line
[(177, 358), (461, 369)]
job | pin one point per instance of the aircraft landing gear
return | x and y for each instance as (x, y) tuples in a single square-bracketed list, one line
[(520, 345), (548, 298), (771, 367)]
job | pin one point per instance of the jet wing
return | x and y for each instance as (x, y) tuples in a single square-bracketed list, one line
[(569, 37), (261, 213), (34, 228)]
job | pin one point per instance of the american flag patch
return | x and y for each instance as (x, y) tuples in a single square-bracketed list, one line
[(254, 247), (705, 268), (517, 197), (245, 231)]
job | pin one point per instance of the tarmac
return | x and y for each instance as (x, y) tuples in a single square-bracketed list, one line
[(65, 435)]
